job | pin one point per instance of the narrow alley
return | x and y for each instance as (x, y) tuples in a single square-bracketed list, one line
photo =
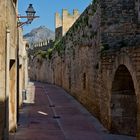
[(49, 113), (73, 74)]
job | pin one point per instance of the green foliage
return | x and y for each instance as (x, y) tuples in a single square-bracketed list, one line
[(44, 54), (59, 47), (41, 53), (49, 53)]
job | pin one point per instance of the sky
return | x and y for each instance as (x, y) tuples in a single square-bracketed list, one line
[(46, 10)]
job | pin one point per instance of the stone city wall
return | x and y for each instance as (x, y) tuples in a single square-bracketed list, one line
[(72, 65), (103, 44)]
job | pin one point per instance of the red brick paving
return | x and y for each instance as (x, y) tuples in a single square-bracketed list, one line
[(37, 120)]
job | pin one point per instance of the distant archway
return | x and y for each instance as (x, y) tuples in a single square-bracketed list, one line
[(123, 103)]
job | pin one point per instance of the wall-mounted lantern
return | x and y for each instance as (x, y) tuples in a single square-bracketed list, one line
[(30, 15)]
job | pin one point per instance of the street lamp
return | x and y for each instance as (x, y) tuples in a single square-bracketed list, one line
[(30, 15)]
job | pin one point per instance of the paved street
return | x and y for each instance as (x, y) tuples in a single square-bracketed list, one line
[(49, 113)]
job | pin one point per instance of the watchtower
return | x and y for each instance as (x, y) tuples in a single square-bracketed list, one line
[(62, 24)]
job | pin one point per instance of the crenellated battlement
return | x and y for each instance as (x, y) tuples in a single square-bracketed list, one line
[(62, 24), (41, 43)]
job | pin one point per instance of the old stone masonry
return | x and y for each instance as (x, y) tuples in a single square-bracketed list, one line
[(13, 67), (97, 60)]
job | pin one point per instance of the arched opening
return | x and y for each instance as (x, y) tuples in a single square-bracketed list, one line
[(123, 103)]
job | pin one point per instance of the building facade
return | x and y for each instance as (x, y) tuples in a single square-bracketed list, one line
[(9, 67)]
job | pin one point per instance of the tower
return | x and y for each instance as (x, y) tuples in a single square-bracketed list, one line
[(62, 24)]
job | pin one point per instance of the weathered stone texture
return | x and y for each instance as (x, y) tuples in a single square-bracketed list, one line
[(8, 25), (103, 39), (119, 21)]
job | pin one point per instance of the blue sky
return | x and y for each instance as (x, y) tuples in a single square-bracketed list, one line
[(47, 8)]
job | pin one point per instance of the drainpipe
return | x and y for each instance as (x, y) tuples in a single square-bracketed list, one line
[(6, 133), (18, 77)]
